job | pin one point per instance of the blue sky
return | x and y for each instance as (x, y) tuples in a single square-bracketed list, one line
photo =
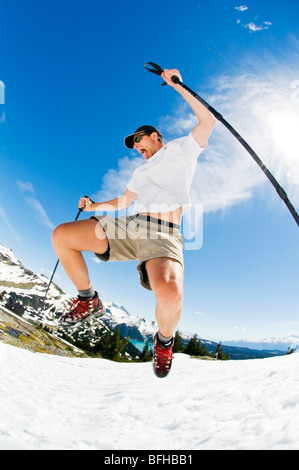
[(72, 85)]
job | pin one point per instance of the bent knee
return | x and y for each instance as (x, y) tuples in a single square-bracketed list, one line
[(169, 291), (59, 234)]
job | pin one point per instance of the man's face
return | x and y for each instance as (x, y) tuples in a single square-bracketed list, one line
[(147, 144)]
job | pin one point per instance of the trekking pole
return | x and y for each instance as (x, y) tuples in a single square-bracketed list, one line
[(280, 191), (57, 263)]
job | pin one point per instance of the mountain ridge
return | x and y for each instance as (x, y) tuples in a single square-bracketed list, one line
[(283, 344), (23, 293)]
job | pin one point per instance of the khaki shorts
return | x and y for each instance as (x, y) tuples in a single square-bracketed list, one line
[(131, 238)]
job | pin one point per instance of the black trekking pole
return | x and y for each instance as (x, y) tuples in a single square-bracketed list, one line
[(57, 263), (280, 191)]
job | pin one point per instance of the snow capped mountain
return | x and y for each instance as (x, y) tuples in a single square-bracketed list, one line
[(137, 328), (266, 344), (23, 292)]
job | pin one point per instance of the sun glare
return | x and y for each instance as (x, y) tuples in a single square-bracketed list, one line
[(283, 130)]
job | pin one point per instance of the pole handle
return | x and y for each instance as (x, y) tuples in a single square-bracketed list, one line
[(82, 208)]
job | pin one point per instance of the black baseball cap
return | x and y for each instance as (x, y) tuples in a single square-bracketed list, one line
[(129, 140)]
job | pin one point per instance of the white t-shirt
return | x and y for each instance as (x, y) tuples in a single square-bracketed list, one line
[(163, 182)]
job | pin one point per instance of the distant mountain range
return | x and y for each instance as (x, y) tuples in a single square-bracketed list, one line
[(266, 344), (23, 292)]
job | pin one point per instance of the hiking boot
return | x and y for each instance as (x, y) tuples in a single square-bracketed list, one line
[(162, 357), (81, 308)]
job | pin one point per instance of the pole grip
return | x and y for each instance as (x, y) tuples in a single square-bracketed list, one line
[(175, 79)]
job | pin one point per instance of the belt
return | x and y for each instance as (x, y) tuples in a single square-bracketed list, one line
[(148, 218)]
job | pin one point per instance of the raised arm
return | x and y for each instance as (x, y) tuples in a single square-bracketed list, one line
[(205, 118)]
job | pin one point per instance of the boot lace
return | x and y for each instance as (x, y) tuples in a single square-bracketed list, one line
[(78, 307), (163, 357)]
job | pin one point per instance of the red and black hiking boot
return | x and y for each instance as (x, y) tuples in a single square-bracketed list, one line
[(81, 308), (162, 359)]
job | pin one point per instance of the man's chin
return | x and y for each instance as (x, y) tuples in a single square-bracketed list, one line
[(145, 155)]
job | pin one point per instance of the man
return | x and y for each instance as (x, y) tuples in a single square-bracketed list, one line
[(160, 191)]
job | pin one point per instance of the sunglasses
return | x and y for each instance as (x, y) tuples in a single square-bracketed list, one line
[(138, 138)]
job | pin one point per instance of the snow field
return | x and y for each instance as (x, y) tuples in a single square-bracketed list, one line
[(53, 402)]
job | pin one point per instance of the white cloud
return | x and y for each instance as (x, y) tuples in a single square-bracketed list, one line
[(200, 314), (237, 328), (181, 125), (224, 177), (258, 105), (5, 219), (25, 187), (2, 93), (115, 180), (39, 211), (253, 28), (241, 8)]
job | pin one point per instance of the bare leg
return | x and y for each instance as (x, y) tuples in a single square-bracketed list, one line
[(166, 280), (70, 239)]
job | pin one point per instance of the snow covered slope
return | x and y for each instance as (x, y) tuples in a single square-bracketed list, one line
[(53, 402)]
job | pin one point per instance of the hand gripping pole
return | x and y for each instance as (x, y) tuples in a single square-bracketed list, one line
[(57, 263)]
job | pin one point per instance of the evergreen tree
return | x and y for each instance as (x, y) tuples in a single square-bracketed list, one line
[(220, 354), (103, 345), (195, 348), (178, 345), (111, 345), (192, 347), (146, 354), (114, 346)]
